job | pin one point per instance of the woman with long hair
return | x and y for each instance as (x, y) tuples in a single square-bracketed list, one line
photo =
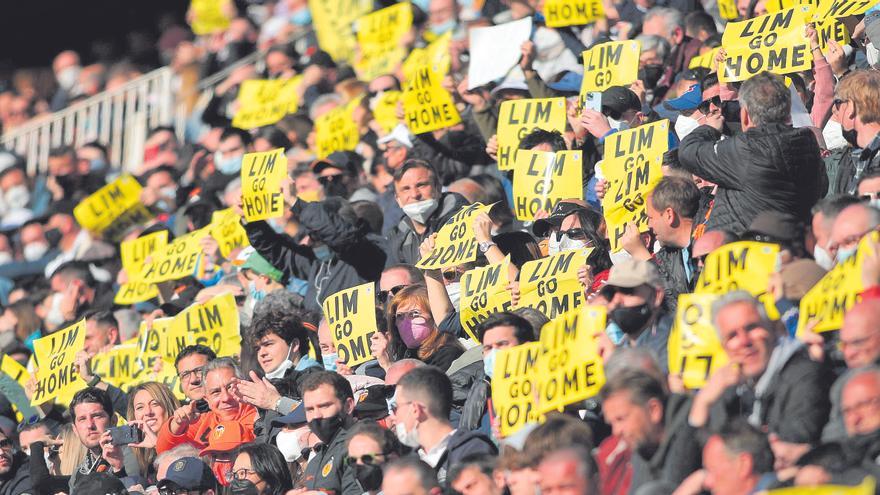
[(72, 450), (149, 405), (262, 467), (369, 448)]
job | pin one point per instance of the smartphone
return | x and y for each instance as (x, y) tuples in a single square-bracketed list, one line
[(593, 101), (202, 406), (126, 434)]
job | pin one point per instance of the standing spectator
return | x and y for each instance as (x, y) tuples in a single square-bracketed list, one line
[(857, 108)]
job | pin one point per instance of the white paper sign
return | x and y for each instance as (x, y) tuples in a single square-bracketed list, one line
[(496, 50)]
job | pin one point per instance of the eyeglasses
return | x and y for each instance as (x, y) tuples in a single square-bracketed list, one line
[(575, 234), (383, 294), (706, 105), (451, 275), (364, 459), (187, 375), (412, 315), (837, 102), (239, 474), (6, 444)]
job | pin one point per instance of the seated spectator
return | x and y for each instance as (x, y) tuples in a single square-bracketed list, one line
[(261, 470), (189, 475), (369, 448), (409, 476), (150, 404)]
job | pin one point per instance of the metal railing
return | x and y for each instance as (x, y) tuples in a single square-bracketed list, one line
[(118, 119)]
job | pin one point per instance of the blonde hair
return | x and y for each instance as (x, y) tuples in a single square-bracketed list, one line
[(862, 88), (161, 394), (72, 450)]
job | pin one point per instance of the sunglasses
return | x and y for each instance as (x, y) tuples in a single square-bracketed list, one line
[(575, 234), (384, 294), (869, 196), (451, 275), (365, 459), (609, 291), (706, 105), (327, 179)]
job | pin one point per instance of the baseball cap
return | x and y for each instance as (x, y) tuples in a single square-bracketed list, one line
[(189, 473), (562, 210), (510, 85), (260, 266), (295, 417), (347, 161), (372, 401), (570, 82), (227, 436), (775, 227), (618, 100), (632, 273), (400, 133), (99, 483), (689, 100)]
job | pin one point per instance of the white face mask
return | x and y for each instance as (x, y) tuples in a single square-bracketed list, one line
[(288, 443), (568, 244), (17, 197), (54, 316), (822, 258), (684, 125), (282, 368), (618, 124), (35, 251), (552, 245), (454, 292), (872, 54), (5, 257), (833, 135), (408, 438), (420, 211), (619, 256), (68, 77)]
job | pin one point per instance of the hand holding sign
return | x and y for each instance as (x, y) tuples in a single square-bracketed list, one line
[(261, 177), (351, 316)]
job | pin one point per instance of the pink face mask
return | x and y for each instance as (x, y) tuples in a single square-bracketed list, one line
[(413, 331)]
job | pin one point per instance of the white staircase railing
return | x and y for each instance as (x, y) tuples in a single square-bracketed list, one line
[(118, 119)]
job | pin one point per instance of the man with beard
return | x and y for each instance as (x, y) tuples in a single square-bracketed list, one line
[(654, 424), (15, 475)]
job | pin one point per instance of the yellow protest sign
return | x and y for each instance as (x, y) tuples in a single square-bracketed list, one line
[(336, 131), (176, 260), (55, 354), (772, 42), (518, 118), (385, 110), (551, 285), (836, 292), (434, 56), (226, 229), (614, 63), (865, 488), (13, 378), (261, 176), (632, 166), (560, 13), (214, 324), (156, 341), (133, 254), (570, 368), (456, 242), (263, 102), (351, 316), (113, 209), (844, 8), (332, 20), (483, 292), (705, 60), (743, 265), (777, 5), (380, 37), (832, 29), (427, 106), (541, 179), (693, 347), (727, 9), (120, 365), (515, 387), (208, 16)]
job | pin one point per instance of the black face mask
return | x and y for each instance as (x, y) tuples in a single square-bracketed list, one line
[(631, 319), (336, 188), (326, 428), (368, 476), (651, 74), (851, 136), (53, 237), (243, 487)]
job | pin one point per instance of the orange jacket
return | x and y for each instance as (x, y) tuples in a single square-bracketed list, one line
[(197, 433)]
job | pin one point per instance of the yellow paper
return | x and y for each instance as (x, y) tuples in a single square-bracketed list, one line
[(515, 387), (541, 179), (705, 60), (133, 254), (112, 209), (176, 260), (570, 367), (615, 63), (263, 102), (261, 177), (728, 10), (427, 106), (560, 13), (332, 20), (208, 16), (226, 229), (483, 292), (351, 315), (456, 242), (832, 29), (55, 355), (836, 292), (214, 324), (380, 37), (844, 8), (777, 5), (694, 349), (743, 265), (434, 56), (772, 42), (385, 111), (157, 340), (518, 118), (13, 378), (551, 285), (865, 488), (120, 365), (336, 131)]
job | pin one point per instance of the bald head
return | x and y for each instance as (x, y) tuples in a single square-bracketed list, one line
[(860, 334), (853, 222), (65, 59), (400, 368), (467, 188), (860, 403), (708, 242)]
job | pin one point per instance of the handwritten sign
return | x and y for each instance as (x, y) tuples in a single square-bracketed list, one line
[(351, 315), (456, 242), (542, 179), (518, 118), (55, 355)]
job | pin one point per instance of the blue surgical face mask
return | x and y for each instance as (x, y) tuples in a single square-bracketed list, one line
[(322, 252), (228, 166), (256, 295), (97, 164), (302, 17), (614, 332), (444, 27), (845, 254), (489, 363), (329, 361)]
